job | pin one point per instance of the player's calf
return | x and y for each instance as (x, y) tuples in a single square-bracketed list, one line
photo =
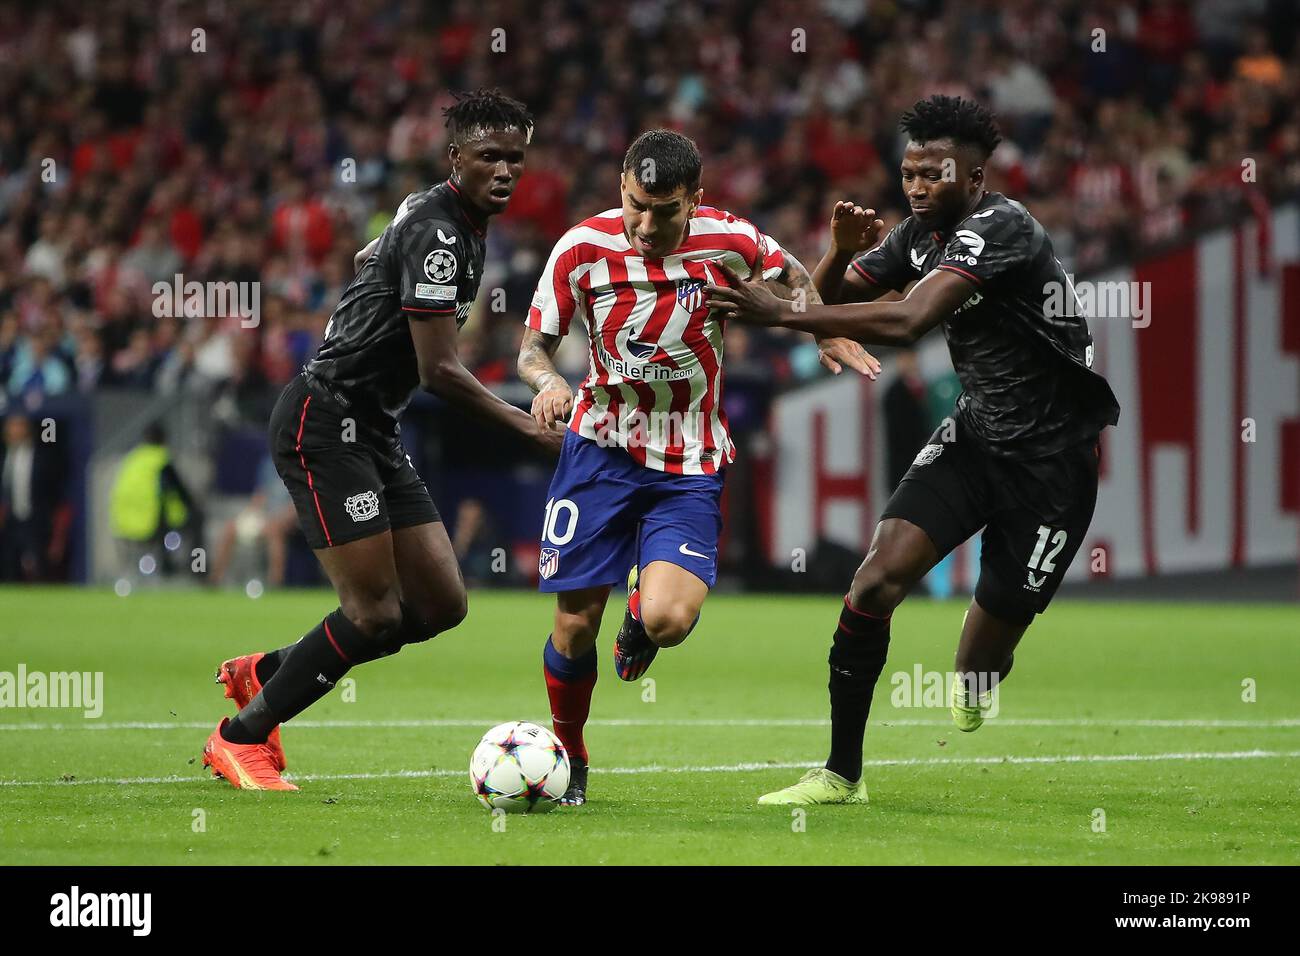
[(636, 645), (663, 607)]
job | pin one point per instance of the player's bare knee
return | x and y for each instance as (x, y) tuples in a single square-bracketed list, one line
[(448, 614), (876, 590), (374, 616), (669, 626), (427, 620)]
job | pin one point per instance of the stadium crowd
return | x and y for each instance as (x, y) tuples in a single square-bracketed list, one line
[(267, 140)]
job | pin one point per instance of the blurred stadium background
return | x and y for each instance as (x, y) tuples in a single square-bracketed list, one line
[(265, 142)]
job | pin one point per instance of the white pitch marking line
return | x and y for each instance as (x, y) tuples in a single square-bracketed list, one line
[(683, 722), (716, 768)]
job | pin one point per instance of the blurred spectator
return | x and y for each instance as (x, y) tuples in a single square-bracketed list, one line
[(478, 549), (33, 514), (38, 367), (269, 517)]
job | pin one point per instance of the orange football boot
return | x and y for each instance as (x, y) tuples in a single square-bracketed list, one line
[(239, 674), (245, 766)]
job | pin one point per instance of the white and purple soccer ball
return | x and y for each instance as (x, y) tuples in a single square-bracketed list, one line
[(520, 768)]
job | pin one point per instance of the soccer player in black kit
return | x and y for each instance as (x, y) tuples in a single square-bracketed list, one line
[(335, 441), (1020, 460)]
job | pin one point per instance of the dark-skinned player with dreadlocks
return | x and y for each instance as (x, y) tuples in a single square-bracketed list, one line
[(1021, 462), (335, 441)]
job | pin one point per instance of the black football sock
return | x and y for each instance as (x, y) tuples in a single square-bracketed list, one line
[(856, 660), (251, 725), (271, 661), (317, 663), (412, 630)]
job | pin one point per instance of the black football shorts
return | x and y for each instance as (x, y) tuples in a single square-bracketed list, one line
[(347, 479), (1034, 514)]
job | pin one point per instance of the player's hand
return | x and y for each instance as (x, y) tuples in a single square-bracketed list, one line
[(854, 229), (552, 405), (550, 439), (835, 353), (745, 300)]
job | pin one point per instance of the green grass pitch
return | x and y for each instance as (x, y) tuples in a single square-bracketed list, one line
[(1131, 710)]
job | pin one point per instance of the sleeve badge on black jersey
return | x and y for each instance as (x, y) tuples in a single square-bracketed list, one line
[(926, 455), (973, 241), (437, 293), (440, 266)]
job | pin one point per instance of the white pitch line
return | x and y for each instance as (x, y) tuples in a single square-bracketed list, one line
[(714, 768), (669, 722)]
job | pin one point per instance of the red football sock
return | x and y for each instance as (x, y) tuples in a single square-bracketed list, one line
[(569, 684)]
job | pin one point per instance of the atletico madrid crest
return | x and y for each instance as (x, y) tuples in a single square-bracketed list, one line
[(549, 562), (690, 294)]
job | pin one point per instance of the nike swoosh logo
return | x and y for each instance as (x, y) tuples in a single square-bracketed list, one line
[(694, 554)]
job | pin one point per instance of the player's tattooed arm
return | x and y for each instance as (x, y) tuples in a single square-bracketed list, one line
[(900, 322), (362, 255), (552, 397), (854, 230), (834, 352), (442, 374)]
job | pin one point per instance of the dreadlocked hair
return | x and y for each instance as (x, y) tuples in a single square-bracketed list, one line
[(486, 109), (965, 122)]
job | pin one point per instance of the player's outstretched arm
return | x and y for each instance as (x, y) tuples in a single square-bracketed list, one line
[(833, 352), (552, 398), (931, 300), (853, 230), (442, 374)]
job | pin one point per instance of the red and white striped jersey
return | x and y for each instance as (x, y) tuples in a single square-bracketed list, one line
[(655, 382)]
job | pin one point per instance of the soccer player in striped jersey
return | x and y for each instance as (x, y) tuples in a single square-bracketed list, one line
[(640, 477)]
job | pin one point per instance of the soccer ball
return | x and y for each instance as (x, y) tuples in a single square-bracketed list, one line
[(520, 768)]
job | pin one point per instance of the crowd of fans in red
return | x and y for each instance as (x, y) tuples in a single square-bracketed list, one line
[(267, 140)]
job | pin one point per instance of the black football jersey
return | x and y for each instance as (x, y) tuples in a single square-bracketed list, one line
[(1028, 388), (428, 263)]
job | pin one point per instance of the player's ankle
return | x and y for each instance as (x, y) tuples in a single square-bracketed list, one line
[(844, 778)]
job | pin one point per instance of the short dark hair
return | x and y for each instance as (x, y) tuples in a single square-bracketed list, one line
[(661, 160), (486, 109), (965, 122)]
